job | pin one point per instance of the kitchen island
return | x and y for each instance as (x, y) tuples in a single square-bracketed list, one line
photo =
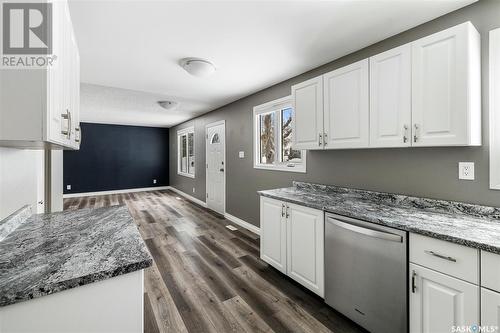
[(73, 271)]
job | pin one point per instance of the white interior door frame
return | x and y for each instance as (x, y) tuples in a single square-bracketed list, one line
[(207, 126)]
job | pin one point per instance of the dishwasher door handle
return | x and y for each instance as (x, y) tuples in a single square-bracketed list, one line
[(365, 231)]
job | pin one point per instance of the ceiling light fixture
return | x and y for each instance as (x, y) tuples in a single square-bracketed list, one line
[(197, 67), (168, 105)]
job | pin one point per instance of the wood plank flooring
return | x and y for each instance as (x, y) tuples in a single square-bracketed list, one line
[(206, 278)]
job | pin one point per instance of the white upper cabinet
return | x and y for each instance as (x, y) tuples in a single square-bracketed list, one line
[(446, 88), (425, 93), (346, 112), (307, 98), (390, 98), (45, 112)]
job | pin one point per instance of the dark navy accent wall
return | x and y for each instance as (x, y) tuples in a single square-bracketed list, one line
[(116, 157)]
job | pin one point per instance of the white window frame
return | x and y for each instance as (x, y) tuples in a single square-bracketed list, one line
[(180, 133), (276, 105), (494, 120)]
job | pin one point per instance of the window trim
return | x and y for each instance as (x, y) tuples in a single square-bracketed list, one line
[(180, 133), (278, 104)]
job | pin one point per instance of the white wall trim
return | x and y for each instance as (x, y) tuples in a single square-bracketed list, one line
[(91, 194), (187, 196), (242, 223), (494, 121), (232, 218)]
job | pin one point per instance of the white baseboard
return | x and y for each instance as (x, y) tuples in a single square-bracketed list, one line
[(232, 218), (241, 223), (91, 194), (189, 197)]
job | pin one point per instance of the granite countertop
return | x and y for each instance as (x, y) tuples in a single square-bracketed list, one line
[(466, 224), (47, 253)]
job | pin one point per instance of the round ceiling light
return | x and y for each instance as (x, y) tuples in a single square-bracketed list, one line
[(168, 105), (198, 67)]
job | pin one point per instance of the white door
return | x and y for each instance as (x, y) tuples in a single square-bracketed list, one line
[(438, 302), (346, 107), (490, 308), (216, 166), (307, 99), (390, 98), (440, 96), (273, 233), (305, 246)]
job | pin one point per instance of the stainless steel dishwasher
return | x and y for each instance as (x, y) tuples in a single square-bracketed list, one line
[(366, 273)]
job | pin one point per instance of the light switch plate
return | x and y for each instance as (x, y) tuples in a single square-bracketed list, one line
[(241, 154), (154, 181), (466, 170), (68, 187)]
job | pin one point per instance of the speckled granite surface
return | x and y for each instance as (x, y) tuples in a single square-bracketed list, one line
[(54, 252), (11, 222), (466, 224)]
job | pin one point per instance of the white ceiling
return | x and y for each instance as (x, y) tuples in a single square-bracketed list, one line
[(136, 45)]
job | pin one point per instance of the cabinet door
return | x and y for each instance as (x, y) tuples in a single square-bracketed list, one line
[(75, 94), (445, 105), (439, 302), (307, 98), (346, 106), (490, 308), (273, 233), (390, 98), (56, 125), (305, 247)]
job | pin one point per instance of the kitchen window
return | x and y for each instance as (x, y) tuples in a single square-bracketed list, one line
[(273, 138), (185, 152)]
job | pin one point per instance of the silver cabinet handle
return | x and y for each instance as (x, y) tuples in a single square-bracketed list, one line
[(66, 117), (282, 210), (440, 256), (320, 140), (415, 137), (78, 134), (405, 135), (70, 124), (325, 139), (365, 231), (413, 281), (286, 212)]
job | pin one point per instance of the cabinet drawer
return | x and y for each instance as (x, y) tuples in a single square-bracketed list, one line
[(449, 258), (490, 270)]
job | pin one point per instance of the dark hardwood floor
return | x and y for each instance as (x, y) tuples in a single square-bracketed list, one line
[(206, 278)]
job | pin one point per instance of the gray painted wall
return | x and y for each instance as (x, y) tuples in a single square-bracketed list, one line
[(429, 172)]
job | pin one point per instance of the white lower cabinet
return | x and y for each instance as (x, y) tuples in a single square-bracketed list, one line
[(292, 241), (306, 246), (439, 302), (490, 308), (273, 233)]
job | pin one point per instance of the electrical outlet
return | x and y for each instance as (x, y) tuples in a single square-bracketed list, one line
[(154, 181), (466, 170), (241, 154), (194, 190), (68, 187)]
